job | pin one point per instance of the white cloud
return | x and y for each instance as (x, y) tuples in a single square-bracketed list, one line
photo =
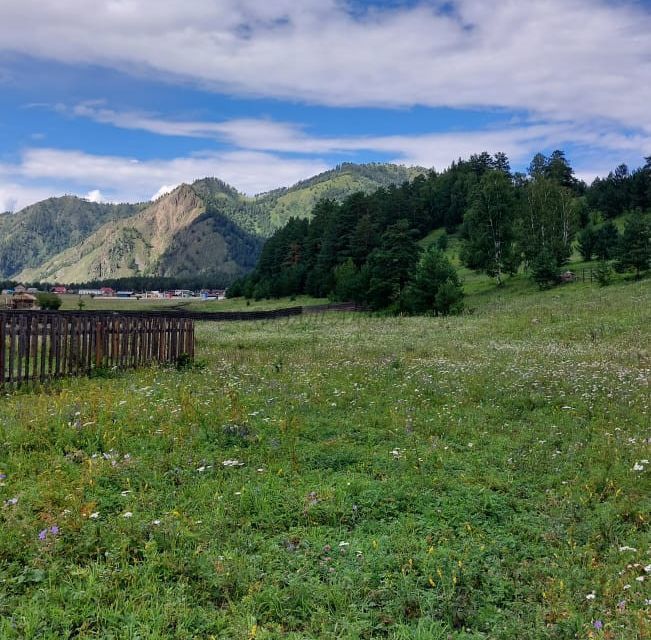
[(519, 141), (128, 179), (95, 195), (563, 59), (14, 195), (166, 188)]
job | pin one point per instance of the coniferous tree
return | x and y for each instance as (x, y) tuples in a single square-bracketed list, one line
[(391, 265), (606, 241), (635, 245), (435, 287), (587, 242)]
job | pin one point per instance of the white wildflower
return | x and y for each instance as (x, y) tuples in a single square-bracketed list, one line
[(127, 514), (232, 463)]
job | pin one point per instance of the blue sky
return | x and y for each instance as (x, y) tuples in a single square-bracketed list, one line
[(123, 99)]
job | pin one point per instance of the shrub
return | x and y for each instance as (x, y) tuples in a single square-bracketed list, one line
[(49, 301)]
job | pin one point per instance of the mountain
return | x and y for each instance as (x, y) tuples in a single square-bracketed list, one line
[(40, 231), (207, 227)]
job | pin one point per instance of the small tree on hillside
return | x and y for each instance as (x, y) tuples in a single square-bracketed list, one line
[(587, 241), (635, 245), (435, 286), (607, 241), (390, 266)]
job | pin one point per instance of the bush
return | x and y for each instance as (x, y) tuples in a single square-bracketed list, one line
[(49, 301), (544, 270), (603, 273)]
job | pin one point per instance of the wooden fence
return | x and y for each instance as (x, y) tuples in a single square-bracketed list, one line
[(39, 345)]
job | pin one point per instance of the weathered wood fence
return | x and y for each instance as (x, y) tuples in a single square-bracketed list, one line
[(39, 345)]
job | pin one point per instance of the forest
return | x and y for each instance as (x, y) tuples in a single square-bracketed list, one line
[(368, 248)]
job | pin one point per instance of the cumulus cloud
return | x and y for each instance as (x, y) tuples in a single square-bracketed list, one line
[(555, 58), (129, 179), (95, 195)]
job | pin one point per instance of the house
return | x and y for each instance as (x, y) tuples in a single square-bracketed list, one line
[(20, 289), (59, 290), (23, 300), (108, 292)]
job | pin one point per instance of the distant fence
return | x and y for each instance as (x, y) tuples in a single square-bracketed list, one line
[(40, 345), (217, 316)]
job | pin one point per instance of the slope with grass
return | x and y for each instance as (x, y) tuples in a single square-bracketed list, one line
[(345, 476), (38, 232)]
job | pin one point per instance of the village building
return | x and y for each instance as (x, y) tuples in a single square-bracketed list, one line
[(23, 300)]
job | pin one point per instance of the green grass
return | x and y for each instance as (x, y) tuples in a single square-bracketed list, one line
[(464, 478), (71, 302)]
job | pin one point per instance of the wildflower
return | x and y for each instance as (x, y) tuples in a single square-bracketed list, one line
[(638, 467), (156, 522), (11, 502), (626, 548), (232, 463), (621, 605), (54, 530), (640, 578), (94, 515), (591, 596), (647, 569), (201, 469), (3, 476), (598, 625), (127, 514), (42, 534)]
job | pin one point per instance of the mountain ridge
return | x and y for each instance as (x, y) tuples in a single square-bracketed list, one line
[(204, 227)]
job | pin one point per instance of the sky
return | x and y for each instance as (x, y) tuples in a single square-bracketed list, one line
[(121, 100)]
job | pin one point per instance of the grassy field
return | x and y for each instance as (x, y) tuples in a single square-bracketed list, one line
[(344, 476), (71, 302)]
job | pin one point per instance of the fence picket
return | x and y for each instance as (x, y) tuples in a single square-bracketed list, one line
[(44, 345)]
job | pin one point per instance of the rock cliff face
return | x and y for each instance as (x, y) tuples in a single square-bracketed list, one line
[(132, 246)]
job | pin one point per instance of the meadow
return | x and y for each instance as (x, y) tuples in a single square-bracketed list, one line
[(346, 476)]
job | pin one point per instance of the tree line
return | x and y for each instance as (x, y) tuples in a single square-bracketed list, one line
[(367, 249)]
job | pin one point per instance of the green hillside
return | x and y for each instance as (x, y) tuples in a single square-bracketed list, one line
[(38, 232), (210, 229)]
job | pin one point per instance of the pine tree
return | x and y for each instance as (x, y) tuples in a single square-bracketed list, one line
[(435, 286), (390, 267), (635, 245)]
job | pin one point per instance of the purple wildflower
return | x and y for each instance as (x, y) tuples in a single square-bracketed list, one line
[(54, 530), (598, 625), (42, 534), (3, 476)]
